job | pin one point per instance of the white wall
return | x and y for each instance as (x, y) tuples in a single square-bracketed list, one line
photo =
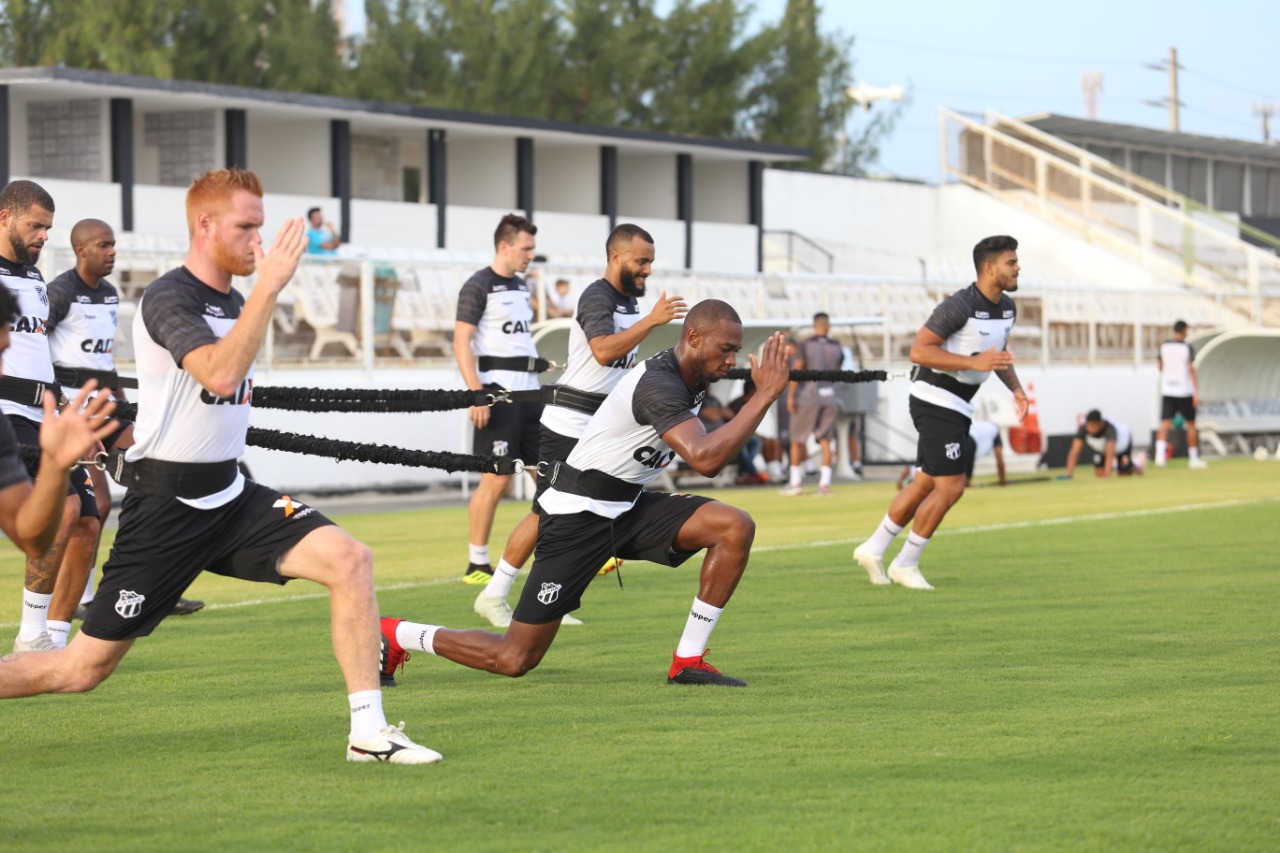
[(160, 210), (470, 229), (647, 185), (389, 223), (18, 134), (76, 200), (718, 247), (566, 180), (721, 191), (668, 240), (482, 173), (572, 236), (290, 156)]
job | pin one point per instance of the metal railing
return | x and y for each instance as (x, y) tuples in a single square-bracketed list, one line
[(1131, 218), (802, 253)]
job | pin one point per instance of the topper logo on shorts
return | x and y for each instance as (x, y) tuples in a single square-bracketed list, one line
[(129, 604), (499, 448), (549, 593), (953, 450)]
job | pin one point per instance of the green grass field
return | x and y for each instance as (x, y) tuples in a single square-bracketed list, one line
[(1097, 669)]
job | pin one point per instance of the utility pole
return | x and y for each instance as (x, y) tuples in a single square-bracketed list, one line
[(1171, 66), (1091, 84), (1265, 112)]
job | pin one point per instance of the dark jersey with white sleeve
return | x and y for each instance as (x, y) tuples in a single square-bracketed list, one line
[(502, 311), (12, 470), (624, 438), (28, 354), (818, 353), (968, 323), (178, 419), (82, 322), (1111, 431), (601, 311)]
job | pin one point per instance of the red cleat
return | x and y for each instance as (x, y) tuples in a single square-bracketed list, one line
[(696, 670), (393, 655)]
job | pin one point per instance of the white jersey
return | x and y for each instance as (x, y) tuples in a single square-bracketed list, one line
[(1176, 358), (968, 323), (501, 309), (178, 419), (82, 322), (602, 311), (986, 437), (28, 354), (624, 438)]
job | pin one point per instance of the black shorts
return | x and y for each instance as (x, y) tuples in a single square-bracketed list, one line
[(512, 431), (80, 483), (1170, 406), (572, 548), (944, 449), (552, 447), (1124, 460), (163, 545)]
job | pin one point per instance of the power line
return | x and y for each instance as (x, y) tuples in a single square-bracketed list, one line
[(1217, 117), (1223, 83), (982, 54)]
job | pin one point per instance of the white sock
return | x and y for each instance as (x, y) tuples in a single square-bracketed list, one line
[(775, 470), (1193, 453), (824, 476), (702, 619), (909, 556), (1161, 447), (367, 717), (87, 595), (479, 554), (503, 577), (797, 475), (58, 632), (416, 637), (883, 537), (35, 613)]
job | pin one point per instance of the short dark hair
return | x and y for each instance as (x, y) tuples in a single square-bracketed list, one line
[(708, 313), (1094, 416), (992, 247), (9, 309), (311, 211), (625, 233), (1180, 326), (18, 197), (821, 315), (511, 225)]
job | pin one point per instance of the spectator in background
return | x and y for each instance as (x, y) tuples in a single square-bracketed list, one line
[(812, 406), (322, 237), (748, 474), (559, 302)]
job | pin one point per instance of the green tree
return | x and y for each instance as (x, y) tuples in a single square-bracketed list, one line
[(24, 29), (610, 61)]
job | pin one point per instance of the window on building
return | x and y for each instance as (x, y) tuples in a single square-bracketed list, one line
[(65, 140)]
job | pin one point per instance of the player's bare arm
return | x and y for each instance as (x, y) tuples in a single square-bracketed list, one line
[(463, 335), (607, 349)]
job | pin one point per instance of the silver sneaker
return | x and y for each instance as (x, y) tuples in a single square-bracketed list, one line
[(873, 565), (392, 746), (496, 610), (42, 643)]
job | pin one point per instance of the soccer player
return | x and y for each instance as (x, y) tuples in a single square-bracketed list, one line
[(188, 506), (1180, 394), (596, 505), (1111, 444), (494, 348), (963, 341), (812, 406), (83, 313), (30, 514), (26, 215), (603, 341)]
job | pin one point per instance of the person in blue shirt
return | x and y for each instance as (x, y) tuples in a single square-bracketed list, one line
[(322, 238)]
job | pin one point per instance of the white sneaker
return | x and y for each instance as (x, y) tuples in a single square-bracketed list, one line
[(1197, 464), (42, 643), (392, 746), (569, 619), (873, 565), (791, 491), (908, 576), (496, 610)]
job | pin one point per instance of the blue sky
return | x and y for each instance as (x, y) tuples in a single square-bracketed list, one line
[(1022, 57)]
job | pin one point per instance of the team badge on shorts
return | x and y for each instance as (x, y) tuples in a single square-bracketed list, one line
[(499, 448), (549, 593), (129, 604), (953, 450)]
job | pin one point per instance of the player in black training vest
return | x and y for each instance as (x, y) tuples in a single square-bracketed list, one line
[(596, 506)]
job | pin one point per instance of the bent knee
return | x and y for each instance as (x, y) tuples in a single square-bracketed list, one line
[(82, 678), (515, 663), (740, 527)]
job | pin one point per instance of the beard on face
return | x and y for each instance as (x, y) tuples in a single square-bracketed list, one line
[(23, 253), (228, 261), (631, 286)]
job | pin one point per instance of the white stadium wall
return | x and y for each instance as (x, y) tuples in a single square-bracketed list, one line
[(565, 179), (291, 156), (668, 241), (482, 173), (647, 185), (718, 247), (720, 191), (389, 223), (572, 237)]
